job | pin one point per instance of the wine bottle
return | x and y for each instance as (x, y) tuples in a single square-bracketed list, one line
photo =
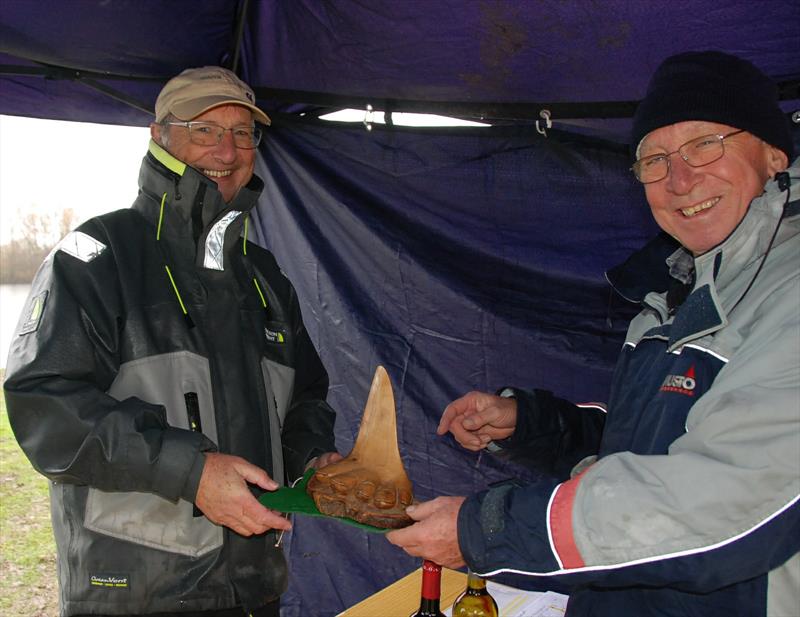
[(431, 591), (476, 600)]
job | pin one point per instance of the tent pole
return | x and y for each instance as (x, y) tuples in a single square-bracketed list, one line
[(239, 35), (87, 78)]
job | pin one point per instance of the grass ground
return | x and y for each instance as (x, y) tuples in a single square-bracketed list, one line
[(28, 584)]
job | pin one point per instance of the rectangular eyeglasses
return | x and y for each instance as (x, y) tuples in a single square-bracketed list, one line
[(695, 152), (210, 134)]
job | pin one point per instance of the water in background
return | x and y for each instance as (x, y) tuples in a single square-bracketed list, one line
[(12, 301)]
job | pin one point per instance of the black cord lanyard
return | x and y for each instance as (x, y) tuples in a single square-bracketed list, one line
[(784, 182)]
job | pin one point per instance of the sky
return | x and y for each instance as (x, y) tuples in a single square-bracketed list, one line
[(49, 165)]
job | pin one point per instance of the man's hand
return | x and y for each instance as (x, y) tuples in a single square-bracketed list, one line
[(434, 536), (477, 418), (224, 497), (318, 462)]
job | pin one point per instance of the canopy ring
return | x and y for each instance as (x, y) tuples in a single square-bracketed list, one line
[(368, 117), (544, 114)]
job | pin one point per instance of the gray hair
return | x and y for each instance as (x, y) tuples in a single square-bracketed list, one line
[(164, 133)]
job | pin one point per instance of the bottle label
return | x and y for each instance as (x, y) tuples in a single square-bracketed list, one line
[(431, 580)]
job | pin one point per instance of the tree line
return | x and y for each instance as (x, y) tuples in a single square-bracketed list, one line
[(32, 239)]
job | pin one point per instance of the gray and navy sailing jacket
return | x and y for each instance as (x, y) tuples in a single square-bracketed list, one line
[(152, 335), (690, 505)]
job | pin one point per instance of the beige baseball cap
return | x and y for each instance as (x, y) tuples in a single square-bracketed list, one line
[(195, 91)]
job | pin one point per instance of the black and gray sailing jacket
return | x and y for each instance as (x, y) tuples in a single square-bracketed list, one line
[(152, 335)]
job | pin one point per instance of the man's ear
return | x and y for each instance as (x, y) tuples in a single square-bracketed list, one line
[(155, 132), (776, 160)]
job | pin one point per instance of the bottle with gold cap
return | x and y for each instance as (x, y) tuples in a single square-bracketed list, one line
[(476, 600)]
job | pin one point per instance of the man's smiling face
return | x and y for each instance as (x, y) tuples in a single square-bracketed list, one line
[(701, 206), (230, 167)]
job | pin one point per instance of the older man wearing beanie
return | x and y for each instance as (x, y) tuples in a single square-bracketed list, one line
[(682, 499), (161, 377)]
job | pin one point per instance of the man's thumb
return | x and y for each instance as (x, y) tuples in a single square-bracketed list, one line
[(418, 511)]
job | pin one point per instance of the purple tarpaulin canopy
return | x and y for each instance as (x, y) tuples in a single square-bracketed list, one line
[(496, 58)]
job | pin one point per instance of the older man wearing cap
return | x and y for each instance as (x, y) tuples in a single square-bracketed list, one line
[(161, 377), (684, 499)]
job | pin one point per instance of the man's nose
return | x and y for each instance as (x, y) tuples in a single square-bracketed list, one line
[(682, 177), (225, 150)]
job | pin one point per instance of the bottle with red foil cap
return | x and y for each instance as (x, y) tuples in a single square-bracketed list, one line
[(431, 591)]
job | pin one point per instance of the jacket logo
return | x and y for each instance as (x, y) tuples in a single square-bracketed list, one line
[(114, 581), (682, 384), (273, 336)]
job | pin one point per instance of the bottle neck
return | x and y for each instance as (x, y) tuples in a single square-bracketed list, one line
[(431, 590), (475, 582), (431, 581)]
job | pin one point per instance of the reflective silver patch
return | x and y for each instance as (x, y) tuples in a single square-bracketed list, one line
[(81, 246), (215, 242)]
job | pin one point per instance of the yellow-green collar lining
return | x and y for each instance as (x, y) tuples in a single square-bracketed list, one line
[(166, 159)]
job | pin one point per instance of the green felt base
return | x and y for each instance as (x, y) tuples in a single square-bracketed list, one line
[(295, 499)]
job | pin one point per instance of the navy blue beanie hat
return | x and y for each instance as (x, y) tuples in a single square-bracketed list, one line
[(715, 87)]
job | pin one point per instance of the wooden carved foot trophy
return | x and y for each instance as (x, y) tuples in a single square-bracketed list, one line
[(370, 485)]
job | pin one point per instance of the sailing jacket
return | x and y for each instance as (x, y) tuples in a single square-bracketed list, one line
[(152, 335), (690, 506)]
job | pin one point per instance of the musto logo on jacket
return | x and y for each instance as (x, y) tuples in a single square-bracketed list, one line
[(682, 384)]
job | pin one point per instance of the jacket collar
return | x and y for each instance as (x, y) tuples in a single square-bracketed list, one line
[(184, 203), (646, 270)]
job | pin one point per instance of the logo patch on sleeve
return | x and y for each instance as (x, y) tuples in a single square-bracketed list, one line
[(33, 313), (81, 246), (110, 581)]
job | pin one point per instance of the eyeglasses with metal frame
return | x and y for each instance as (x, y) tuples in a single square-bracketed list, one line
[(210, 134), (695, 152)]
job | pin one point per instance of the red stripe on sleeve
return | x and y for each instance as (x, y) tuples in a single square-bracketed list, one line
[(561, 524)]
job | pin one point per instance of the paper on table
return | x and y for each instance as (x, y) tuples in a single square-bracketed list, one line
[(513, 602)]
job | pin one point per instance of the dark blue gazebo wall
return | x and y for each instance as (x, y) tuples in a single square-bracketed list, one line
[(458, 260)]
